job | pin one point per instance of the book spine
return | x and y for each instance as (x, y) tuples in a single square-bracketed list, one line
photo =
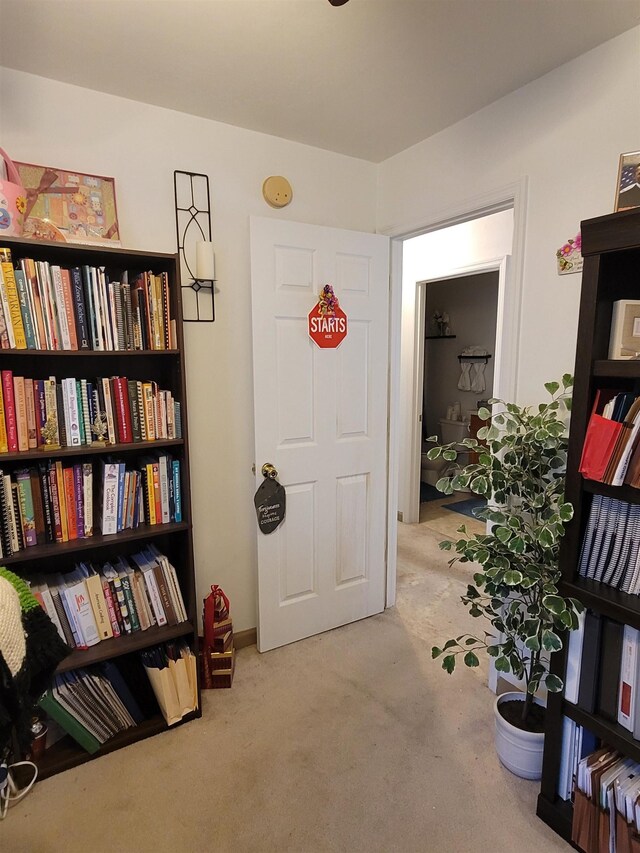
[(128, 597), (32, 428), (167, 604), (27, 513), (90, 310), (78, 597), (164, 284), (164, 488), (62, 618), (58, 297), (13, 299), (25, 309), (47, 508), (6, 332), (55, 503), (80, 310), (39, 500), (78, 494), (51, 405), (120, 603), (110, 498), (121, 496), (52, 307), (4, 441), (41, 409), (177, 494), (62, 500), (123, 414), (99, 606), (108, 408), (87, 481), (108, 597), (17, 517), (29, 269), (10, 411), (21, 412), (68, 300), (70, 502), (154, 595), (73, 432), (149, 414)]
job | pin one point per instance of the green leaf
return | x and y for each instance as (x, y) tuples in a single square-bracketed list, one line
[(435, 652), (551, 642), (445, 545), (552, 387), (434, 453), (503, 534), (449, 644), (471, 659), (483, 413), (449, 663), (494, 651), (553, 683), (444, 485), (533, 643), (554, 604), (513, 577), (566, 511), (502, 664), (450, 455), (517, 545), (567, 381), (470, 641)]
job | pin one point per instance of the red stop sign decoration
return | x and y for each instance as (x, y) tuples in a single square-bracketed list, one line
[(327, 330)]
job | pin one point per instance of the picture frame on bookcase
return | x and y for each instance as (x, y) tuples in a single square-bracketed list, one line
[(624, 340), (69, 206), (628, 186)]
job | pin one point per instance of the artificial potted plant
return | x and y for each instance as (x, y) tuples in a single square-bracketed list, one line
[(520, 472)]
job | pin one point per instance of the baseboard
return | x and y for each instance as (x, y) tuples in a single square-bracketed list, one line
[(241, 639)]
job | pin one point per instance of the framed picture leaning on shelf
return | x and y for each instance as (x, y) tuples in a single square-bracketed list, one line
[(628, 186), (67, 206)]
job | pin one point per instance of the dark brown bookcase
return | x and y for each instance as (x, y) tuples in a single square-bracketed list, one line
[(167, 368), (611, 251)]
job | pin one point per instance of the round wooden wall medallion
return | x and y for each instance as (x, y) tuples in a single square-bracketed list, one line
[(277, 191)]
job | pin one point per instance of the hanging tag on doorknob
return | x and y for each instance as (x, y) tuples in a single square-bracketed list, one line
[(270, 500)]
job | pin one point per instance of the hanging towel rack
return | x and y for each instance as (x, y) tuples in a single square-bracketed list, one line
[(483, 358)]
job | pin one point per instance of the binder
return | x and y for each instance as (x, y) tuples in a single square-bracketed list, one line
[(609, 668), (590, 663)]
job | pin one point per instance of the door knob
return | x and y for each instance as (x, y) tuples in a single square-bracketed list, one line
[(268, 470)]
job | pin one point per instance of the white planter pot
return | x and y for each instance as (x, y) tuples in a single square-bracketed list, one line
[(519, 751)]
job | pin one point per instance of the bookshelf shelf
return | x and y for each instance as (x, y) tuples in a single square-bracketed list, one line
[(611, 251), (156, 277), (66, 754), (115, 647), (611, 733), (30, 456), (617, 368), (37, 553), (609, 601)]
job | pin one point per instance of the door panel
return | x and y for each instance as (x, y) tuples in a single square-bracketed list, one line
[(321, 419)]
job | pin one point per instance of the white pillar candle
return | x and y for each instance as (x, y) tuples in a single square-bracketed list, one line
[(205, 261)]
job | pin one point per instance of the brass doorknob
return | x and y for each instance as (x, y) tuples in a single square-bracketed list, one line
[(268, 470)]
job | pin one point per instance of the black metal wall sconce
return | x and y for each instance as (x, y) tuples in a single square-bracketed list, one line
[(195, 247)]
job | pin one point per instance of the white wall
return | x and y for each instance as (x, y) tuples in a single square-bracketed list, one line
[(564, 132), (55, 124)]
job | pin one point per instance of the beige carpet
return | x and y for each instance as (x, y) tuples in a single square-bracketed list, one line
[(354, 740)]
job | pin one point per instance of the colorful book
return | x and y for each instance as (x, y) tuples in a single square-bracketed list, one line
[(11, 289)]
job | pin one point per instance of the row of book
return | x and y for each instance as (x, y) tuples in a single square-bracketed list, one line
[(611, 450), (50, 502), (606, 809), (80, 411), (148, 493), (603, 670), (611, 545), (95, 703), (54, 501), (93, 602), (577, 743), (45, 306)]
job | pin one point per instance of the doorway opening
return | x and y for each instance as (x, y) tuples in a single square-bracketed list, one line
[(459, 321)]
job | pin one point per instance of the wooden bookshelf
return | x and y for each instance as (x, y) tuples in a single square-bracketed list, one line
[(611, 251), (166, 367)]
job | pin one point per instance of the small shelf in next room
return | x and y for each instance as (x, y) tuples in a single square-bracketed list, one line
[(437, 337)]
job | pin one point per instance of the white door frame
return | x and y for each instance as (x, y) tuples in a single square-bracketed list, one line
[(499, 265), (514, 196)]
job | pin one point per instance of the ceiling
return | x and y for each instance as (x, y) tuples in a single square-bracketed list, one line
[(367, 79)]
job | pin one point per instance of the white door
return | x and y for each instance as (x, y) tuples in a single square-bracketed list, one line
[(321, 419)]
